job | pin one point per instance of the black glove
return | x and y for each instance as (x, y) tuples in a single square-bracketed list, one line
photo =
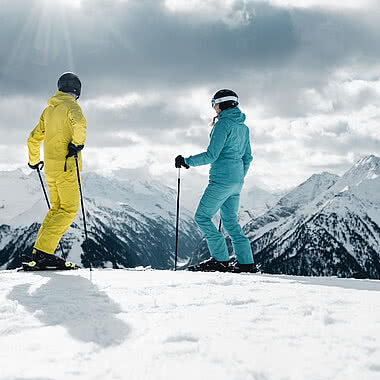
[(180, 161), (74, 149), (40, 165)]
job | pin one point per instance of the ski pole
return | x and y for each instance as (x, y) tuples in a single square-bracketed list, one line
[(177, 222), (81, 201), (46, 197)]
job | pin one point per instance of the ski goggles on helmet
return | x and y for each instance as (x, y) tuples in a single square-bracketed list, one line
[(214, 102)]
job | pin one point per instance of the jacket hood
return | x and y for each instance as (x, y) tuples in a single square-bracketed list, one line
[(233, 114), (60, 97)]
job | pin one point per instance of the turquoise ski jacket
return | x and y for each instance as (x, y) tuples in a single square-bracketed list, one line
[(229, 151)]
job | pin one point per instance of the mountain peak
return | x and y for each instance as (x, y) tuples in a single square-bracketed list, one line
[(369, 161), (315, 184), (305, 193), (366, 168), (322, 176)]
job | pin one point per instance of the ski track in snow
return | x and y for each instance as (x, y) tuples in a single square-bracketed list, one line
[(162, 325)]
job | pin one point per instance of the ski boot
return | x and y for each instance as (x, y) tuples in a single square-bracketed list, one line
[(210, 265), (45, 261), (236, 267)]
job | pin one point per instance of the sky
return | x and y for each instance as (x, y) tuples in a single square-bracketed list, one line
[(307, 73)]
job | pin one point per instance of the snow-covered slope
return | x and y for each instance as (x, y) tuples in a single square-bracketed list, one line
[(165, 325), (291, 202), (254, 202), (130, 222), (19, 193), (336, 231)]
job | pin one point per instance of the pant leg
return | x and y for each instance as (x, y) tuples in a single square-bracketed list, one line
[(60, 220), (213, 197), (54, 203), (229, 215)]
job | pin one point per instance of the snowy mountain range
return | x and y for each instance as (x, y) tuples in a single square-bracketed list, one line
[(327, 226), (130, 223)]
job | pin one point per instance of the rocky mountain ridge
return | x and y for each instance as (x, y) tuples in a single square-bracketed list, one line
[(336, 232)]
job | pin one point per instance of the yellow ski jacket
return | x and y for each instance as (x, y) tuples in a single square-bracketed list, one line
[(61, 122)]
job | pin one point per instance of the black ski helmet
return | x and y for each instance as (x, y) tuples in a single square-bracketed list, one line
[(69, 82), (226, 99)]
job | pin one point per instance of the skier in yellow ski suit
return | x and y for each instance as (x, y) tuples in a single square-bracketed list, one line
[(62, 127)]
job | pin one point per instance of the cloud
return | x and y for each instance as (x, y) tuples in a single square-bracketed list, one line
[(347, 4), (292, 149), (307, 74), (233, 13), (136, 45)]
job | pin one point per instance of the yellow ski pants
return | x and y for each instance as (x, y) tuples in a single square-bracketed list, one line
[(64, 201)]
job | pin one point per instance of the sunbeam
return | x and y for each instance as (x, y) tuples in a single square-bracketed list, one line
[(45, 37)]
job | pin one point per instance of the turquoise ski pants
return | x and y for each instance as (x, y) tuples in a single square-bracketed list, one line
[(226, 198)]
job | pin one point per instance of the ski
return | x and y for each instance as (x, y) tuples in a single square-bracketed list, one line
[(32, 266)]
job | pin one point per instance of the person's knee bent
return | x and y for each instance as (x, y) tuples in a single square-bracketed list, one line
[(200, 218), (70, 211), (233, 229), (71, 217), (71, 207)]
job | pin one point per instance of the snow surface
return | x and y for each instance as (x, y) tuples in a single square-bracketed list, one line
[(162, 325)]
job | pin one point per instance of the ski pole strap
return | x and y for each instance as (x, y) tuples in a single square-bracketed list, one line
[(73, 151), (70, 155)]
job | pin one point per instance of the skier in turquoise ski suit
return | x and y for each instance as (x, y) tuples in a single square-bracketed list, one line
[(229, 154)]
